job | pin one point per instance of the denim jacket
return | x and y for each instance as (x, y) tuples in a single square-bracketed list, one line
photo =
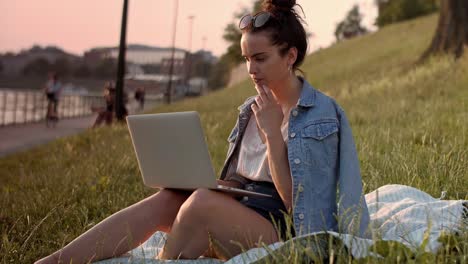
[(326, 180)]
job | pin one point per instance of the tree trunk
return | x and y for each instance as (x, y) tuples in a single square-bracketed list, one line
[(452, 30)]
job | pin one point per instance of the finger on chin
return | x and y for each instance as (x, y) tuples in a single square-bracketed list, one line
[(261, 92), (258, 100), (254, 108)]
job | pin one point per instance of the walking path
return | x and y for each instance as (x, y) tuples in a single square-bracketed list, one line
[(17, 138)]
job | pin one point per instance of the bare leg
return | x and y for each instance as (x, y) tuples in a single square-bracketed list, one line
[(232, 225), (109, 116), (99, 119), (123, 230)]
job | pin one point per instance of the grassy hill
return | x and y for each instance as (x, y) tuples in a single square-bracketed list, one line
[(410, 124)]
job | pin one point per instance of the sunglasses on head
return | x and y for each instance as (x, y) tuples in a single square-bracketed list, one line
[(257, 20)]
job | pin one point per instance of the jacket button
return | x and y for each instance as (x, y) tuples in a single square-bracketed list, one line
[(300, 188), (297, 161), (294, 112), (301, 216), (293, 134), (245, 199)]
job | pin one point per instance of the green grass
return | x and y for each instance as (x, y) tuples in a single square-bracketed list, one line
[(410, 125)]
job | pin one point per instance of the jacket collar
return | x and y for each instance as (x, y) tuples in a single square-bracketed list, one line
[(245, 107), (306, 99), (308, 94)]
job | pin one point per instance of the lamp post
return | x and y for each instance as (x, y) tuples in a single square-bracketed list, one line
[(119, 102), (204, 42), (190, 18), (171, 66), (189, 54)]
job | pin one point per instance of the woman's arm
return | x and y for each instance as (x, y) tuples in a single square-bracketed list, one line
[(279, 167), (234, 184), (269, 116)]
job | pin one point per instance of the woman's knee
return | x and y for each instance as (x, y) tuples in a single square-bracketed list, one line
[(163, 205), (200, 206), (166, 198)]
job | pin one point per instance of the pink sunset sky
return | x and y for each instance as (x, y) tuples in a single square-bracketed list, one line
[(79, 25)]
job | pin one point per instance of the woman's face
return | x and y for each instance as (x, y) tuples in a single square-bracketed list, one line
[(264, 62)]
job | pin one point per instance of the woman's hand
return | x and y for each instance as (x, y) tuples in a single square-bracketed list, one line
[(230, 183), (268, 113)]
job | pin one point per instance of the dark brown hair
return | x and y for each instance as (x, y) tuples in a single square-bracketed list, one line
[(284, 27)]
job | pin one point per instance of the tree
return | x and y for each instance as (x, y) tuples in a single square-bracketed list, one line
[(233, 55), (82, 71), (351, 26), (39, 66), (233, 35), (61, 66), (391, 11), (106, 69), (200, 67), (452, 29), (220, 73)]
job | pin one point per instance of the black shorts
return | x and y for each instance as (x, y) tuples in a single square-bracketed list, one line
[(272, 209), (51, 97)]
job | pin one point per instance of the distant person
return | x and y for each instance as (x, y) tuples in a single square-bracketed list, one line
[(140, 97), (52, 90), (290, 141), (106, 114)]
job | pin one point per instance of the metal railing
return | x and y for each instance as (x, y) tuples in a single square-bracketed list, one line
[(27, 106)]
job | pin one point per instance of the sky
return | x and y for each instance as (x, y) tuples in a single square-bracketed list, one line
[(79, 25)]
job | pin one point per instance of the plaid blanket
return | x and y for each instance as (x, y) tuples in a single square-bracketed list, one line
[(398, 213)]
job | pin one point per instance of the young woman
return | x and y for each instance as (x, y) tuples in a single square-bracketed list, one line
[(52, 90), (106, 114), (290, 141)]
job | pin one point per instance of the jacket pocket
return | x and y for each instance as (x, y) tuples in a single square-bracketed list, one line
[(321, 129), (320, 143)]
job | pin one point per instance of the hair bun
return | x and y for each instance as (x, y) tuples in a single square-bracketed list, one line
[(272, 5)]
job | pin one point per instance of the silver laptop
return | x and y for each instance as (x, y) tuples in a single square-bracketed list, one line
[(172, 153)]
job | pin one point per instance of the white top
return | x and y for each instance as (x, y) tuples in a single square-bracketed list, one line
[(53, 87), (253, 160)]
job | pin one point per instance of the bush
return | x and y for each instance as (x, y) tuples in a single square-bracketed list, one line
[(400, 10), (39, 66), (220, 73), (82, 71), (106, 68)]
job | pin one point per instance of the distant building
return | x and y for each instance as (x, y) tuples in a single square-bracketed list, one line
[(140, 57), (94, 56), (180, 66), (137, 54), (156, 84), (134, 69), (206, 56)]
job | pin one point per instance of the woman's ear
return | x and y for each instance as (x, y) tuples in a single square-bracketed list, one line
[(292, 55)]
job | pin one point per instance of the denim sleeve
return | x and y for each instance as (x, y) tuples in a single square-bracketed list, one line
[(353, 215), (231, 174), (230, 166)]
